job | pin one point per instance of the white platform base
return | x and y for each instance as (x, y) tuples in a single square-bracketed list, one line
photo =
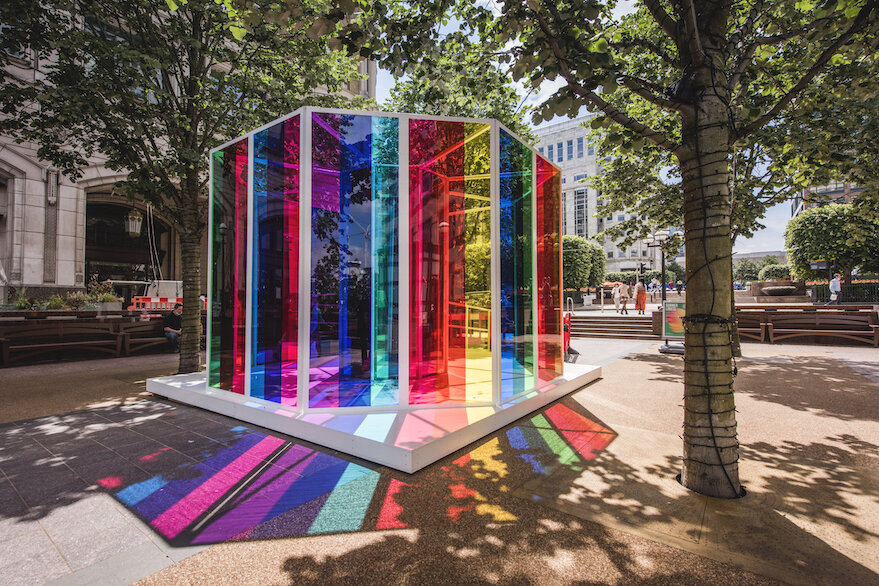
[(405, 439)]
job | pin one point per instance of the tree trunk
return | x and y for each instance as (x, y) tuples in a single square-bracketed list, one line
[(711, 451), (190, 243)]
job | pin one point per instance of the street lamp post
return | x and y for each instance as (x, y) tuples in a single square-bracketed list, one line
[(656, 240)]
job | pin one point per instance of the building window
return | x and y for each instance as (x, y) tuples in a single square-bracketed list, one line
[(610, 254), (570, 149), (643, 253), (633, 253), (549, 153), (564, 180), (580, 148), (621, 218), (591, 151), (621, 253), (559, 153), (540, 150), (580, 177)]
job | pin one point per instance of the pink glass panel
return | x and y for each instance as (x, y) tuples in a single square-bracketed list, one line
[(549, 271)]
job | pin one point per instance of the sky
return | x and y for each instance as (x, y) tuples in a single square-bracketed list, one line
[(770, 238)]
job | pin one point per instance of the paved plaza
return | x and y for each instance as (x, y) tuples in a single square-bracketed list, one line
[(102, 483)]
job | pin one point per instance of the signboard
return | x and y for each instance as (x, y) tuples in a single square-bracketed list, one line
[(672, 320)]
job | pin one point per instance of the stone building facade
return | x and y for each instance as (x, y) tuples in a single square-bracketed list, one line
[(568, 146)]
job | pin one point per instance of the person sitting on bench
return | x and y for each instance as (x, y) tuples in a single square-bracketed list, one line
[(174, 325)]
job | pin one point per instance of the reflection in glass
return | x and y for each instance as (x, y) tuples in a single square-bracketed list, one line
[(549, 271), (275, 263), (450, 268), (228, 282), (354, 284), (516, 245)]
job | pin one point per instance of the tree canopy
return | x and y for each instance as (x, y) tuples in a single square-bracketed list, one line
[(825, 234), (746, 270), (151, 90), (583, 263), (461, 81)]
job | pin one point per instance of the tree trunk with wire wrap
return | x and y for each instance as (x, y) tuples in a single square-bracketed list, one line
[(710, 462)]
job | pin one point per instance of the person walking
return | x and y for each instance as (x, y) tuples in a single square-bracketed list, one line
[(679, 286), (625, 294), (640, 297), (174, 326), (615, 293), (835, 290)]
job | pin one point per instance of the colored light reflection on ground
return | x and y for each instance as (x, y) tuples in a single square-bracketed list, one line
[(255, 485)]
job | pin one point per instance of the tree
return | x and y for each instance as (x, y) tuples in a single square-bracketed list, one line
[(153, 90), (461, 81), (746, 270), (732, 68), (825, 234), (767, 260), (598, 269)]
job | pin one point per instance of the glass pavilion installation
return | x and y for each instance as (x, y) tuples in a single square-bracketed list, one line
[(325, 324)]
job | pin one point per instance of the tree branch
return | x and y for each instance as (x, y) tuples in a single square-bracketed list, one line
[(669, 25), (694, 39), (648, 91), (621, 118), (650, 46), (860, 20)]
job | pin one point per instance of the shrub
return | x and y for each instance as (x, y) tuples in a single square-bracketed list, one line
[(22, 301), (107, 298), (78, 299), (55, 302), (774, 272), (102, 291)]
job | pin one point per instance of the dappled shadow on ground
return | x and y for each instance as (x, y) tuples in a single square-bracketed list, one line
[(816, 384)]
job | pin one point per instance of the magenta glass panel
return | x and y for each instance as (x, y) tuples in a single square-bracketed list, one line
[(450, 252), (228, 200), (549, 271)]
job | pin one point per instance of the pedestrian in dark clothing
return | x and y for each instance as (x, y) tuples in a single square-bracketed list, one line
[(174, 325), (679, 286)]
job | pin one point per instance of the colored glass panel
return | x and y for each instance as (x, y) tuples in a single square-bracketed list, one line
[(450, 252), (275, 263), (354, 284), (549, 271), (228, 279), (516, 267)]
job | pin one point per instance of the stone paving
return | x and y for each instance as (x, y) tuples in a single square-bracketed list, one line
[(582, 491)]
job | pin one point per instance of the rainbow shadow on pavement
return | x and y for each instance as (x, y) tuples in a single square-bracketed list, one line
[(259, 486)]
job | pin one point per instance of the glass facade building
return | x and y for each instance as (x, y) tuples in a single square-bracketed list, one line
[(381, 261)]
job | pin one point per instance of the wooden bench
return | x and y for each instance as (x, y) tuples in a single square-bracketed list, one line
[(859, 326), (25, 340), (751, 324), (138, 336)]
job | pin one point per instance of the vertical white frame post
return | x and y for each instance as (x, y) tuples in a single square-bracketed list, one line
[(495, 236), (210, 272), (535, 290), (248, 268), (303, 333), (403, 270)]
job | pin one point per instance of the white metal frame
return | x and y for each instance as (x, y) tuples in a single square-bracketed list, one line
[(404, 267)]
